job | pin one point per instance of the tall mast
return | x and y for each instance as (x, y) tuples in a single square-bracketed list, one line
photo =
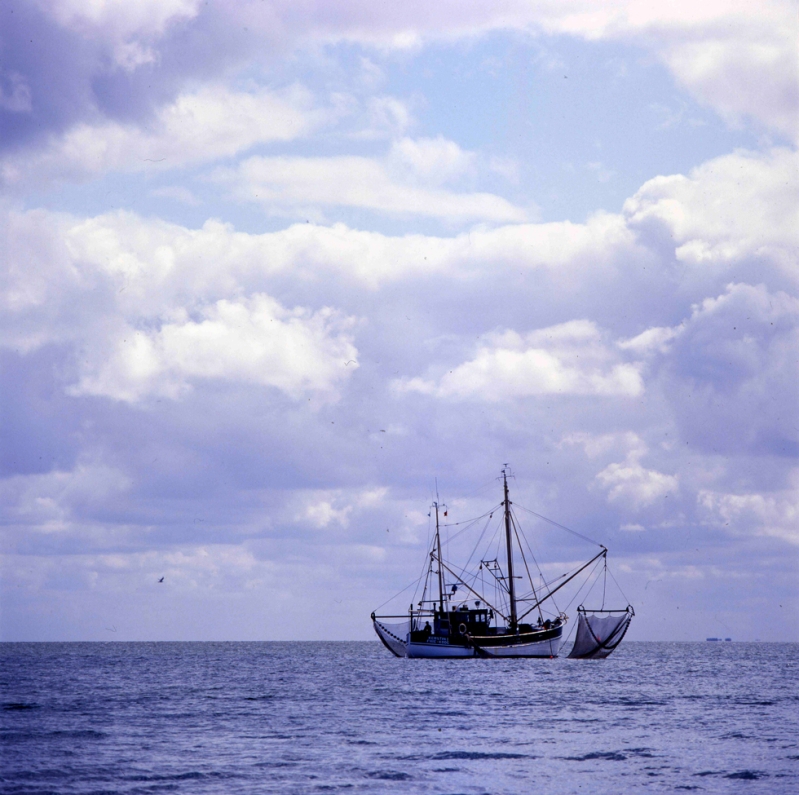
[(440, 566), (508, 544)]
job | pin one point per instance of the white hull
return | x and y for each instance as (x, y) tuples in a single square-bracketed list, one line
[(437, 651), (543, 648)]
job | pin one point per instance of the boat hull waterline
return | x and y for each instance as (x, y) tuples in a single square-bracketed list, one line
[(544, 644)]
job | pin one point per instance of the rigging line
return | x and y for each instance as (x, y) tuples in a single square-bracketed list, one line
[(619, 587), (479, 541), (587, 580), (469, 586), (468, 527), (498, 580), (561, 526), (582, 568), (570, 573), (455, 574), (498, 538), (530, 550), (480, 489), (425, 574), (568, 637), (415, 582), (537, 566), (499, 591), (476, 518), (428, 564), (527, 568)]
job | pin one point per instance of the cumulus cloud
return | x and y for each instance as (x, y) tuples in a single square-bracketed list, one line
[(739, 206), (208, 124), (727, 68), (141, 332), (252, 341), (628, 483), (196, 262), (568, 359)]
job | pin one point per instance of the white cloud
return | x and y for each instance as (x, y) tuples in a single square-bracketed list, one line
[(569, 359), (137, 249), (208, 124), (770, 514), (631, 484), (729, 208), (744, 70), (324, 508), (121, 18), (302, 184), (321, 514), (48, 501), (654, 339), (252, 341), (429, 161), (627, 483)]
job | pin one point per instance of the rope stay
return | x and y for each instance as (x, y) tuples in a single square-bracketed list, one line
[(561, 526)]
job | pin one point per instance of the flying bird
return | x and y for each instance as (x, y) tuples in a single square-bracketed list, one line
[(161, 580)]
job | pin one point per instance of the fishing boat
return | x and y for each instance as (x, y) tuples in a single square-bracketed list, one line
[(492, 611)]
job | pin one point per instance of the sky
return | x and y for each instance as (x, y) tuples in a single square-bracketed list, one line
[(272, 272)]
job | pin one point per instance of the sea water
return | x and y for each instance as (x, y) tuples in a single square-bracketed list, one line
[(325, 717)]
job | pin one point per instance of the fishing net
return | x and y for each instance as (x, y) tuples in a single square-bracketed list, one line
[(394, 635), (598, 634)]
